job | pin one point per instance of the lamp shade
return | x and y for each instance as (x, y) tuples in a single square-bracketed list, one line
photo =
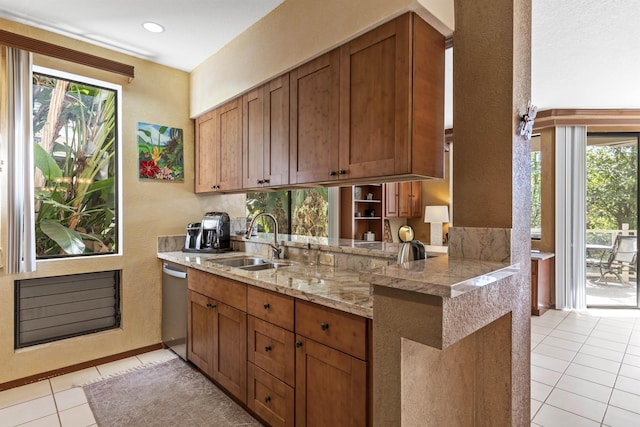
[(436, 214)]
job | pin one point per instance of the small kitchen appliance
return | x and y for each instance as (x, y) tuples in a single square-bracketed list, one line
[(193, 229), (213, 234)]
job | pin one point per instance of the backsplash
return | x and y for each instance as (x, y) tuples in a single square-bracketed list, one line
[(484, 244)]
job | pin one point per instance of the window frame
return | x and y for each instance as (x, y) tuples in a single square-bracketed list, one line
[(118, 157)]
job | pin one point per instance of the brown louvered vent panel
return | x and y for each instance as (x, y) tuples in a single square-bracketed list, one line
[(53, 308)]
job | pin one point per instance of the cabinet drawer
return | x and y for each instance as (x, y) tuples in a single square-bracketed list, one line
[(270, 398), (224, 290), (343, 331), (272, 349), (270, 306)]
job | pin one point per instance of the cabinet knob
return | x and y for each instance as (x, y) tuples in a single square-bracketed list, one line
[(298, 344), (324, 326), (332, 173), (209, 305), (267, 348), (260, 181), (266, 306), (266, 180), (267, 399), (342, 172)]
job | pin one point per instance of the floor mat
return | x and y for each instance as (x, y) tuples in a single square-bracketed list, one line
[(168, 394)]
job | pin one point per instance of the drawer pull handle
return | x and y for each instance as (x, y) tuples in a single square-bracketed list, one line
[(211, 305), (324, 326), (266, 306), (267, 348), (267, 399), (298, 344)]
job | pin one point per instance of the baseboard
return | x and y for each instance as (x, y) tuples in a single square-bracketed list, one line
[(77, 367)]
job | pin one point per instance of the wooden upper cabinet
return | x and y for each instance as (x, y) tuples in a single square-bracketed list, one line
[(206, 153), (409, 199), (392, 101), (391, 200), (219, 149), (253, 139), (265, 141), (375, 72), (229, 136), (276, 131), (314, 94)]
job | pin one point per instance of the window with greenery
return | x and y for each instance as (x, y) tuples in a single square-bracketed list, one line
[(301, 212), (612, 186), (75, 155), (536, 195)]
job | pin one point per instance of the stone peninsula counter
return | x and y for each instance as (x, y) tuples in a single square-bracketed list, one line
[(443, 331)]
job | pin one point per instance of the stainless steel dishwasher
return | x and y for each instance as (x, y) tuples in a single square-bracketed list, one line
[(174, 308)]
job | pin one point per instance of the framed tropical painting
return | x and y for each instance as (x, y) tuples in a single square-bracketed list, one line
[(160, 152)]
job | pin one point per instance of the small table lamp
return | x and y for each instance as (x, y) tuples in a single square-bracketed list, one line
[(436, 215)]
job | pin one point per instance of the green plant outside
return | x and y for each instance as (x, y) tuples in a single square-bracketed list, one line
[(301, 212), (75, 195)]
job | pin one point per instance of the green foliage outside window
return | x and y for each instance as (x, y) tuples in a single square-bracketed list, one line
[(612, 188), (74, 126), (301, 212)]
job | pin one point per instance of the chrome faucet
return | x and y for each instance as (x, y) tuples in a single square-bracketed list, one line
[(276, 250)]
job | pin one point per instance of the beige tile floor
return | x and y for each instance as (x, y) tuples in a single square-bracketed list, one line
[(585, 371), (585, 368), (60, 401)]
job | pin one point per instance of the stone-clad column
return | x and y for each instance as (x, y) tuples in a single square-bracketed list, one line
[(491, 182)]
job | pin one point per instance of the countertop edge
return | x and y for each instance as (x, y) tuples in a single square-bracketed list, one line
[(443, 277)]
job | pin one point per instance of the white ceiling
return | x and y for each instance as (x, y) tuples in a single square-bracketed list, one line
[(194, 29)]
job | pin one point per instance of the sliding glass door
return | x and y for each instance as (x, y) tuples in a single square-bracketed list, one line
[(611, 209)]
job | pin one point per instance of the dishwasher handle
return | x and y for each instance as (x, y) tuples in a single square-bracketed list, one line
[(173, 273)]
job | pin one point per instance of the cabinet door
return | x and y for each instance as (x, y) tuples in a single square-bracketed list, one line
[(276, 131), (375, 102), (200, 331), (253, 139), (207, 153), (228, 136), (314, 94), (415, 201), (230, 350), (391, 200), (331, 387), (404, 200)]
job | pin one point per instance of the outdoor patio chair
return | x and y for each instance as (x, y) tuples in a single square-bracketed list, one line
[(622, 256)]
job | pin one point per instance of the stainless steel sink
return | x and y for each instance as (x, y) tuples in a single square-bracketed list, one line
[(258, 267), (241, 262)]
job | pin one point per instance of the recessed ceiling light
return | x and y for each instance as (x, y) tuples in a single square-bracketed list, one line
[(153, 27)]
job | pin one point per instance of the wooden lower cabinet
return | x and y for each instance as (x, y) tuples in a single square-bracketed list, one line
[(291, 362), (230, 350), (541, 285), (331, 386), (200, 332), (270, 398), (217, 337)]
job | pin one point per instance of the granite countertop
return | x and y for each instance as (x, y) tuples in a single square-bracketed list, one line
[(349, 290), (324, 285), (541, 255), (441, 276)]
